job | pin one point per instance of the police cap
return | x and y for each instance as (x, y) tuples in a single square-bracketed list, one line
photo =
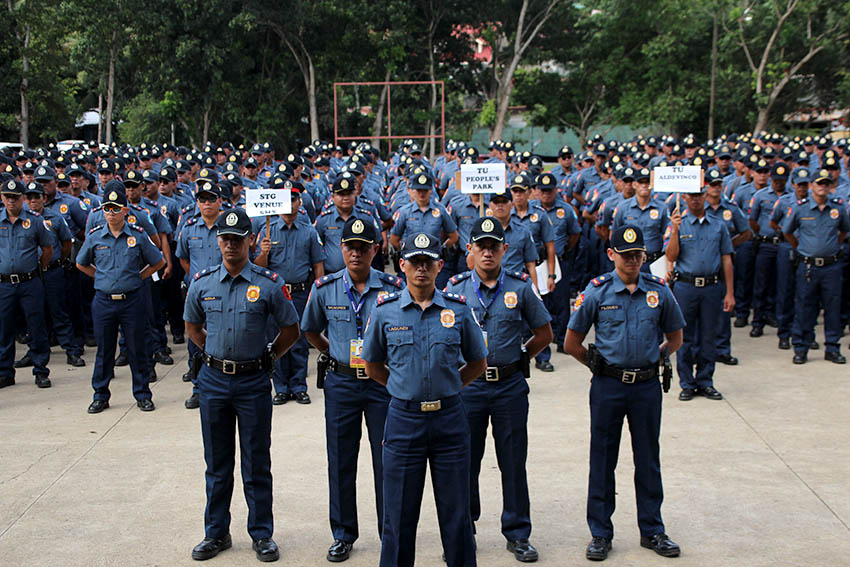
[(801, 175), (520, 181), (421, 244), (34, 187), (44, 173), (627, 239), (422, 181), (209, 188), (358, 230), (779, 172), (545, 182), (486, 227), (823, 175), (344, 182), (233, 221), (12, 187)]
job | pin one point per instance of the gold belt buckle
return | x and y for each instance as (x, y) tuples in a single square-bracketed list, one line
[(228, 366), (117, 296), (699, 282), (360, 373), (288, 288), (491, 374), (430, 406)]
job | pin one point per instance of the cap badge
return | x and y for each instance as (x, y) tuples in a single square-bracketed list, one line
[(546, 180), (113, 196), (231, 219), (780, 170), (629, 235), (487, 225), (343, 184), (422, 241), (422, 179), (357, 226)]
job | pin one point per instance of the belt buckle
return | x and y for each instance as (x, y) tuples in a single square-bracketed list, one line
[(360, 373), (820, 261), (430, 406), (629, 377), (15, 278), (288, 288), (699, 282), (116, 296), (228, 366), (492, 374)]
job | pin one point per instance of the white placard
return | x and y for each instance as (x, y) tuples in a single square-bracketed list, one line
[(659, 267), (483, 178), (262, 202), (543, 276), (677, 179)]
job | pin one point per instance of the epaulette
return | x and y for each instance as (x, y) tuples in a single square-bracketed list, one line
[(599, 280), (457, 278), (273, 276), (802, 201), (394, 281), (387, 298), (186, 209), (97, 208), (455, 297), (518, 275), (191, 221), (136, 227), (132, 206), (325, 212), (328, 278), (33, 213), (656, 279), (364, 211), (94, 228), (206, 271), (367, 201), (838, 200)]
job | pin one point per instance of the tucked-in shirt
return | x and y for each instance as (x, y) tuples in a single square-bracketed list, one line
[(20, 242), (118, 261), (57, 230), (410, 219), (199, 245), (294, 248), (329, 226), (652, 221), (761, 208), (702, 243), (817, 228)]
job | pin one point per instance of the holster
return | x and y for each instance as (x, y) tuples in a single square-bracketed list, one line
[(322, 363), (197, 362), (666, 372), (526, 364), (594, 359)]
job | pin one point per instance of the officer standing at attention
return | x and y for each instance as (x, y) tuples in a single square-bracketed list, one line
[(629, 308), (234, 299), (339, 306), (119, 256), (22, 233), (414, 342), (822, 226), (502, 301), (701, 247)]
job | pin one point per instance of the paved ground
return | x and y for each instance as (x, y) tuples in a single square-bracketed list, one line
[(760, 478)]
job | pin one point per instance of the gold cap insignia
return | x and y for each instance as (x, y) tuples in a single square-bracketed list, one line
[(113, 196), (629, 236), (487, 225), (423, 179), (231, 219), (343, 184), (422, 241), (357, 226)]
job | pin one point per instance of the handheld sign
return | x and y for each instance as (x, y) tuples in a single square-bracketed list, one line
[(264, 202), (677, 179), (483, 178)]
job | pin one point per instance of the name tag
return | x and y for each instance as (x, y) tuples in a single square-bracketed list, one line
[(608, 307), (336, 307)]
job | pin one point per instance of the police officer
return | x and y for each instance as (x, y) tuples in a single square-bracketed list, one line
[(22, 234), (119, 256), (233, 300), (413, 344), (502, 301), (628, 308), (330, 222), (333, 321), (645, 212), (822, 226), (701, 247)]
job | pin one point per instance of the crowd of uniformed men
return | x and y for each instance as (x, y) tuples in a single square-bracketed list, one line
[(102, 246)]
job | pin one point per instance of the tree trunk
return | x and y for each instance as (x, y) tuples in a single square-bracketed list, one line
[(311, 99), (110, 88), (432, 77), (713, 79), (761, 123), (99, 117), (205, 136), (25, 83), (378, 124), (502, 102)]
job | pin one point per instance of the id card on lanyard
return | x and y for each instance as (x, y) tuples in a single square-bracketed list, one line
[(482, 321), (355, 346)]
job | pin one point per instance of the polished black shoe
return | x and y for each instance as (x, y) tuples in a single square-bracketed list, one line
[(24, 362), (22, 338), (193, 402), (727, 359), (710, 393), (661, 544), (544, 366), (279, 400), (153, 377), (74, 360), (187, 376), (756, 332), (835, 357), (178, 339), (266, 550), (162, 357), (339, 551), (145, 404), (598, 548), (122, 359), (687, 394), (523, 550), (7, 381), (800, 358), (42, 381), (814, 346), (210, 547), (740, 322), (784, 344), (98, 406), (301, 397)]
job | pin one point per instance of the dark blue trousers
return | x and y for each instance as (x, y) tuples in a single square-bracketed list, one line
[(611, 401), (817, 286), (701, 307), (107, 316), (764, 284), (723, 341), (347, 401), (290, 374), (744, 261), (227, 402), (413, 439), (54, 291), (505, 405), (785, 286), (29, 296)]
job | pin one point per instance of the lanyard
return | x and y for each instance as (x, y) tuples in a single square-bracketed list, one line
[(356, 307), (477, 286)]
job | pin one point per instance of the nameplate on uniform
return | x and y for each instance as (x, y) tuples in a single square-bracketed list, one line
[(608, 307)]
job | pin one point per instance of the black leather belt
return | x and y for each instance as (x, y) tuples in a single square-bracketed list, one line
[(54, 264), (629, 376), (770, 239), (496, 373), (18, 278), (428, 406), (336, 366), (698, 281), (295, 287), (232, 366), (650, 258), (819, 261)]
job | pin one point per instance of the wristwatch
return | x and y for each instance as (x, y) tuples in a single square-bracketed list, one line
[(552, 276)]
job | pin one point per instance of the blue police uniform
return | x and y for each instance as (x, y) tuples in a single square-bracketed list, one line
[(349, 395), (20, 285), (521, 247), (235, 310), (410, 219), (464, 213), (627, 325), (118, 301), (785, 270), (72, 210), (501, 395), (422, 349), (566, 224), (329, 226), (651, 219), (765, 280), (744, 256)]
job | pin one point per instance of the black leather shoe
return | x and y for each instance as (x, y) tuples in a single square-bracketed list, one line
[(727, 359), (814, 346), (146, 404), (740, 322), (598, 548), (279, 400), (98, 406), (266, 550), (74, 360), (24, 362), (178, 339), (661, 544), (153, 377), (122, 359), (42, 381), (710, 393), (687, 394), (162, 357), (210, 547), (835, 357), (784, 344), (301, 397), (339, 551), (800, 358), (523, 550), (193, 402), (756, 332), (187, 377), (22, 338), (544, 366), (7, 381)]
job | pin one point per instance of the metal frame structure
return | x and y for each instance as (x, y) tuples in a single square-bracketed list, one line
[(390, 137)]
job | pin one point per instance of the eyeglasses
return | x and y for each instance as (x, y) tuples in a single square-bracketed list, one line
[(207, 199), (33, 196), (112, 210)]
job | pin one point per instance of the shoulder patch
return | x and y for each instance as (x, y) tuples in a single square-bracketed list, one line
[(391, 279), (97, 208), (457, 278), (599, 280), (519, 275), (455, 297), (33, 213), (387, 298)]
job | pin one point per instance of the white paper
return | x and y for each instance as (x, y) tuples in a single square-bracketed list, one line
[(659, 267), (543, 276), (263, 202), (483, 178), (677, 179)]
